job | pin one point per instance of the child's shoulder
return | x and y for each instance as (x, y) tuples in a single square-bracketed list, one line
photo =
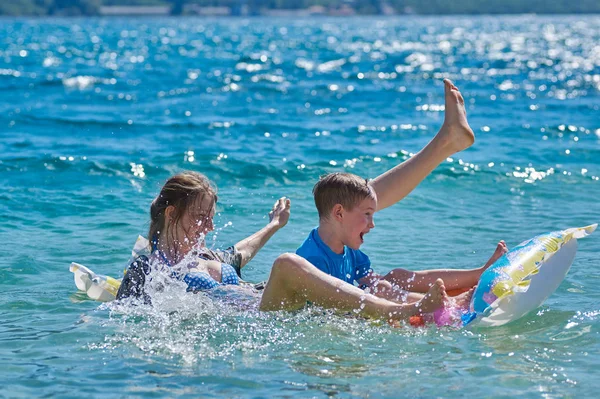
[(309, 244)]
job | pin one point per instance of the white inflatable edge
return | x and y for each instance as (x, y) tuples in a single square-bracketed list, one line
[(94, 285), (542, 285), (580, 232)]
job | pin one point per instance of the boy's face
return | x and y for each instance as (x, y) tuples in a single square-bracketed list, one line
[(358, 222)]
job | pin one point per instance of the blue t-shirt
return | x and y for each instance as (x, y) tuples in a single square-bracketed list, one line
[(350, 266)]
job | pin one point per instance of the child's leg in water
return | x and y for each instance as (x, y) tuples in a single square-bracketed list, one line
[(454, 279), (384, 289), (448, 315), (294, 281)]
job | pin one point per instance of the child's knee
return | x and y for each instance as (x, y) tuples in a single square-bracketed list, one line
[(384, 284), (287, 262), (281, 261), (397, 274)]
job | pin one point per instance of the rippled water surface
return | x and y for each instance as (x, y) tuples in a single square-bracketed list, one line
[(96, 113)]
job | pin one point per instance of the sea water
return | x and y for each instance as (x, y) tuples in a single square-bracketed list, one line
[(95, 114)]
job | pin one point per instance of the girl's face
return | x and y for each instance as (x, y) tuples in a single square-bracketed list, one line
[(194, 224)]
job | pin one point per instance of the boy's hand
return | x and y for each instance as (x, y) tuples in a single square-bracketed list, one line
[(280, 214)]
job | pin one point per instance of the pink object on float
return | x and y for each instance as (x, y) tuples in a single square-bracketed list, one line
[(447, 317)]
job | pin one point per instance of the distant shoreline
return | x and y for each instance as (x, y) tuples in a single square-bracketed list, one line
[(149, 16), (291, 8), (284, 8)]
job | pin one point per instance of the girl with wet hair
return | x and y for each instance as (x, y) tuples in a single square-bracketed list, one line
[(181, 214), (180, 218)]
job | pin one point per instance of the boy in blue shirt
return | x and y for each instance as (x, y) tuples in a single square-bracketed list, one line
[(346, 204)]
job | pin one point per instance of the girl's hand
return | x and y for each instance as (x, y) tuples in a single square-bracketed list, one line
[(280, 214)]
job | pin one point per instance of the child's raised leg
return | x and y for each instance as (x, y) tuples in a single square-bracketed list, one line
[(454, 135), (294, 281)]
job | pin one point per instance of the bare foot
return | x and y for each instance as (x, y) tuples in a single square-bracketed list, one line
[(434, 298), (455, 133), (463, 301), (501, 249)]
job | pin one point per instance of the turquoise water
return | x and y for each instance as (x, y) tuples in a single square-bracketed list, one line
[(97, 113)]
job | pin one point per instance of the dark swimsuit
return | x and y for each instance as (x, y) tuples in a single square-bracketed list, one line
[(135, 277)]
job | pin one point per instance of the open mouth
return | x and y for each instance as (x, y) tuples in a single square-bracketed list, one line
[(362, 237)]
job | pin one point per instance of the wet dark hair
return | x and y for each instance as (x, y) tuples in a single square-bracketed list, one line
[(181, 191), (340, 188)]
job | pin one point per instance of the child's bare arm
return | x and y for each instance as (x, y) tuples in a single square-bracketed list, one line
[(279, 217)]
